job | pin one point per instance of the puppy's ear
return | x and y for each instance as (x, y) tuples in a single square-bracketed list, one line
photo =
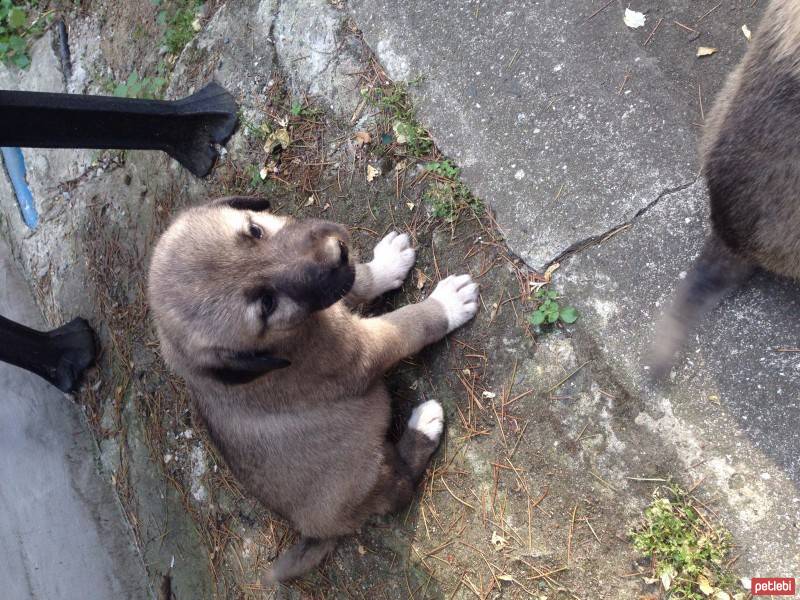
[(237, 368), (254, 203)]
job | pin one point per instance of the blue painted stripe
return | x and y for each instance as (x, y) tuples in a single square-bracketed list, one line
[(15, 167)]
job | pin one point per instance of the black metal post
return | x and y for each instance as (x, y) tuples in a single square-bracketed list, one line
[(60, 356), (185, 129)]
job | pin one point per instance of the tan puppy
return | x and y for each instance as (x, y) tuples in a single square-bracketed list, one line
[(751, 161), (249, 311)]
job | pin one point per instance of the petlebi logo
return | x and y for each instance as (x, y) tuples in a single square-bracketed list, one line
[(771, 586)]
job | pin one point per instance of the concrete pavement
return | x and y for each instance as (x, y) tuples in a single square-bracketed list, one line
[(62, 533)]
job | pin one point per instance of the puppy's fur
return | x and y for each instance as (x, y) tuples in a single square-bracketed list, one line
[(252, 311), (751, 160)]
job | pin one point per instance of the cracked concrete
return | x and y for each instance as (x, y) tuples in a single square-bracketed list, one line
[(581, 245)]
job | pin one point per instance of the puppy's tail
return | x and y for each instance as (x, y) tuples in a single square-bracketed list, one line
[(298, 560), (716, 273)]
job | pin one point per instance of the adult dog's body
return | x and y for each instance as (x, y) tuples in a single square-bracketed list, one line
[(751, 160), (251, 310)]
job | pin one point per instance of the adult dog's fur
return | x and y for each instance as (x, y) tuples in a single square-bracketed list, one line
[(252, 311), (751, 160)]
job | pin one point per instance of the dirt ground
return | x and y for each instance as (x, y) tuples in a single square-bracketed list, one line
[(542, 472)]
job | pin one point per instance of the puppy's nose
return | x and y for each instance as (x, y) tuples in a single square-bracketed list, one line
[(343, 253), (336, 251)]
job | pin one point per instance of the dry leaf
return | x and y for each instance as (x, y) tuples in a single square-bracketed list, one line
[(705, 51), (410, 205), (633, 19), (704, 585), (363, 138), (196, 25), (746, 582), (548, 274), (421, 279), (720, 595), (401, 139), (372, 172), (277, 138), (498, 541), (401, 166), (505, 577), (667, 576), (746, 32)]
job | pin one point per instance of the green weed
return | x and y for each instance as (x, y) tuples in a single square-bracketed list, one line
[(141, 87), (393, 99), (180, 23), (447, 196), (688, 551), (444, 168), (550, 310), (16, 31), (449, 199)]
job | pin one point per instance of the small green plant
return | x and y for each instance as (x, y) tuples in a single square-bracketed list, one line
[(298, 109), (448, 199), (550, 310), (180, 23), (15, 32), (408, 133), (413, 138), (687, 550), (444, 168), (142, 87), (258, 131)]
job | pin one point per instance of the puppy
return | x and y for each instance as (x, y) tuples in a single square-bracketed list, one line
[(751, 161), (252, 310)]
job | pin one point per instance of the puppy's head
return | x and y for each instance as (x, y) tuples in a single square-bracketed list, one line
[(228, 277)]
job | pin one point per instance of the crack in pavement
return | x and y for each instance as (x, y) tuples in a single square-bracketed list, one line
[(594, 240)]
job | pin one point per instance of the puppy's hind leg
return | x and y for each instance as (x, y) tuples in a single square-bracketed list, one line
[(422, 436), (405, 462), (298, 560)]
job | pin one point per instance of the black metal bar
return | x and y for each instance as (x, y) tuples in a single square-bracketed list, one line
[(60, 356), (185, 129)]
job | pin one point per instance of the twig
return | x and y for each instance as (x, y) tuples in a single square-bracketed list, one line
[(598, 11), (567, 378), (569, 536), (652, 33)]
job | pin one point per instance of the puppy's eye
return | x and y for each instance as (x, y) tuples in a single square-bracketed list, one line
[(256, 231), (267, 303)]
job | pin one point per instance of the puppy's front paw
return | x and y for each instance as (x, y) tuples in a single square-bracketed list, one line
[(458, 294), (393, 258), (428, 419)]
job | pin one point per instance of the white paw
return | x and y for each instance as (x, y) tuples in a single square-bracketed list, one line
[(428, 419), (458, 294), (393, 258)]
